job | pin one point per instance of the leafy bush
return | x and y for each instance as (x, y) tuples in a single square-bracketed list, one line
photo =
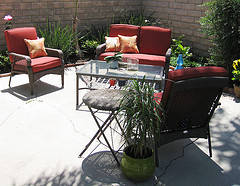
[(59, 37), (189, 59), (134, 17), (221, 25), (91, 38), (88, 48), (5, 65), (178, 48)]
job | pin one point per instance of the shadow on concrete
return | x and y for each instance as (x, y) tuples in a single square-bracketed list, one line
[(194, 168), (23, 91), (183, 164), (102, 167), (233, 96)]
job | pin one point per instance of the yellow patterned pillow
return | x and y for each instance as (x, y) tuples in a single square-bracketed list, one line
[(128, 44), (112, 44), (36, 47)]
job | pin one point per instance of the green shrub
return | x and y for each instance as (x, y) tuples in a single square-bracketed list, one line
[(88, 48), (178, 48), (91, 38), (5, 65), (189, 59), (221, 24), (135, 17), (59, 37)]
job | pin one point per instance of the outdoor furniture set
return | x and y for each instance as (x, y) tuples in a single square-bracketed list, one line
[(189, 98)]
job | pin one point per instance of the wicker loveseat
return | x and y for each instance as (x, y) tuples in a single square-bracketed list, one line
[(153, 44)]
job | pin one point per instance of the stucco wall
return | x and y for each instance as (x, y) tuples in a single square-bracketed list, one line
[(180, 15)]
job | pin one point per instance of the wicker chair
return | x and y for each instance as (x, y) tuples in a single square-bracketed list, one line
[(21, 63), (190, 98)]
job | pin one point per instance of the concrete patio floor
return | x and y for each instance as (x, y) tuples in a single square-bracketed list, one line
[(42, 135)]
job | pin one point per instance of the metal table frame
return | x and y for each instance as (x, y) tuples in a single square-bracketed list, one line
[(99, 69)]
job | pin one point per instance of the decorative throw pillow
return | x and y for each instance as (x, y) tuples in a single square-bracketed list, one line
[(112, 44), (36, 47), (128, 44)]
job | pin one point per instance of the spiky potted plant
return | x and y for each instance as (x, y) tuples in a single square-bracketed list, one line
[(142, 120), (236, 77), (113, 60)]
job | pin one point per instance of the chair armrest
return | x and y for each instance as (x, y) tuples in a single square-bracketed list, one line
[(100, 49), (17, 57), (166, 68), (54, 52)]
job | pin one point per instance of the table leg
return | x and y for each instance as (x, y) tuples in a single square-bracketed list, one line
[(96, 134), (110, 118)]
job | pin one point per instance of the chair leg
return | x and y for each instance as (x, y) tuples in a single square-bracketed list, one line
[(209, 144), (10, 80), (31, 82), (62, 77)]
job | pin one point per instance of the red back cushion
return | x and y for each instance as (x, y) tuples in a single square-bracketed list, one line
[(124, 30), (154, 40), (15, 39), (189, 73)]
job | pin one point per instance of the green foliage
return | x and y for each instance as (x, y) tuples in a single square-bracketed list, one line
[(117, 57), (97, 33), (91, 38), (134, 17), (221, 24), (188, 58), (88, 48), (142, 117), (178, 48), (5, 64), (59, 37)]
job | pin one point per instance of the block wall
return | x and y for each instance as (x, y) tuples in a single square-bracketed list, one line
[(35, 12), (181, 16)]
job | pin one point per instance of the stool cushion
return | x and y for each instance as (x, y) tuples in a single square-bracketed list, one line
[(103, 99)]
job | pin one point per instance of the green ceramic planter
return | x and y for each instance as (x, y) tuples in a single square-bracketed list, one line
[(137, 169)]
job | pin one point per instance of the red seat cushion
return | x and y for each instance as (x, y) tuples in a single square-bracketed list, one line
[(15, 39), (146, 59), (190, 73), (154, 40), (39, 64)]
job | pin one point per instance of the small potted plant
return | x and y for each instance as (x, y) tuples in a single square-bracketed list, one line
[(113, 60), (142, 118), (236, 77)]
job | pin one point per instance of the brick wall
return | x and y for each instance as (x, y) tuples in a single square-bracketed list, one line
[(180, 15), (34, 12)]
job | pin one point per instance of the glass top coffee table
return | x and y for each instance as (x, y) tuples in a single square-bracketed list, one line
[(100, 69)]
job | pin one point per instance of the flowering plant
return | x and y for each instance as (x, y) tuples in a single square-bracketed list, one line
[(8, 24), (236, 71)]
